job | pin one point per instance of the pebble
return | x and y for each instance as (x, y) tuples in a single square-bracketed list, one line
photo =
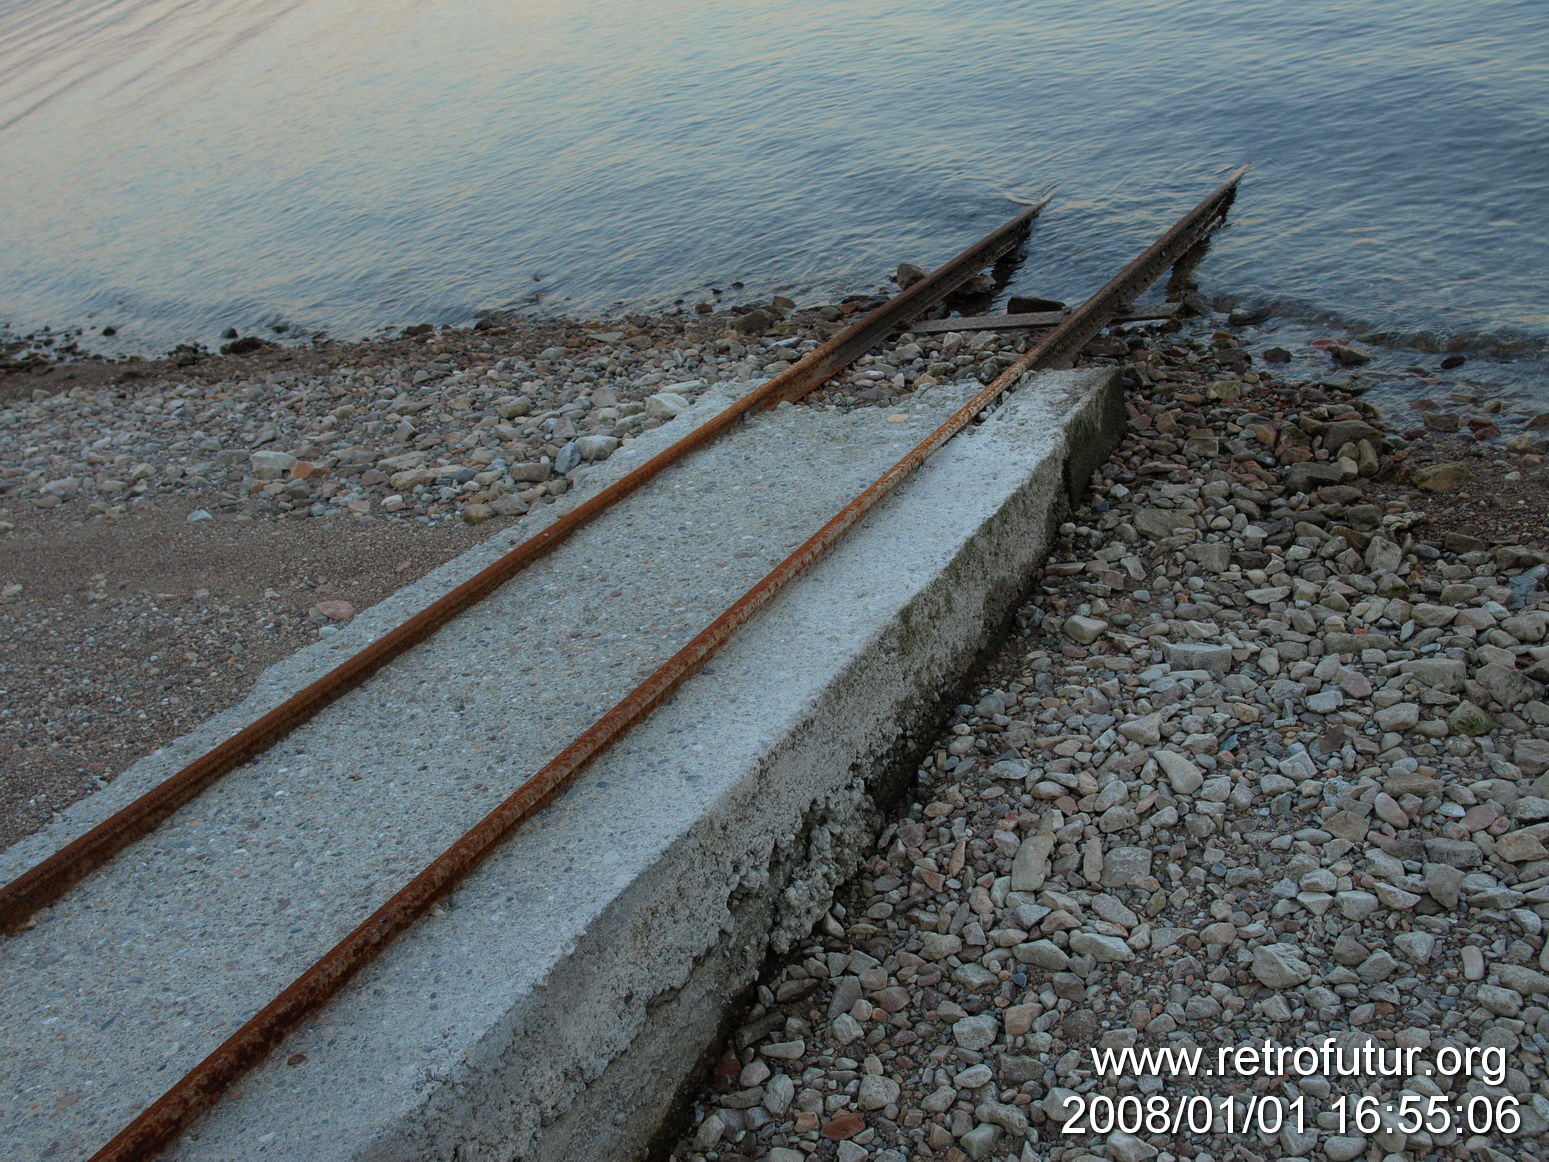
[(1277, 966), (976, 1032), (1031, 867), (1084, 630), (1183, 775)]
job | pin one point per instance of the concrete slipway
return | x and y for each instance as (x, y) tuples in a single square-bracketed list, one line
[(554, 1006)]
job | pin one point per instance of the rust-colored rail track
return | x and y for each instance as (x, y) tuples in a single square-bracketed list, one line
[(161, 1122), (47, 881)]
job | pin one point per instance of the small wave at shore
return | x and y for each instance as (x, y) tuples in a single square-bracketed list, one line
[(1500, 343)]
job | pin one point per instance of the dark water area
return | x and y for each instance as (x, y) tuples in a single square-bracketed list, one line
[(177, 167)]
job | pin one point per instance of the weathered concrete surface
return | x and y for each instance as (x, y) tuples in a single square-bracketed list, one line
[(554, 1007)]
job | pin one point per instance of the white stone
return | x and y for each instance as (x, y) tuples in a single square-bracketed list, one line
[(1473, 963), (665, 405), (1103, 949), (1403, 716), (976, 1033), (595, 448), (779, 1094), (271, 465), (1147, 731), (845, 1029), (1355, 905), (876, 1092)]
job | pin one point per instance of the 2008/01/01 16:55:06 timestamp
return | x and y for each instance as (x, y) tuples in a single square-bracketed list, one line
[(1269, 1114)]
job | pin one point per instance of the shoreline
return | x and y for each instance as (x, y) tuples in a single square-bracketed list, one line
[(1415, 371)]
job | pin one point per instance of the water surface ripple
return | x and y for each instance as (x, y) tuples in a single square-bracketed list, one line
[(175, 167)]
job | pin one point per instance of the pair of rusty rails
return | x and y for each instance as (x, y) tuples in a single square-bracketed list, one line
[(163, 1120)]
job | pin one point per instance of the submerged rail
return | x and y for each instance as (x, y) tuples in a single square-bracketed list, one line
[(162, 1121)]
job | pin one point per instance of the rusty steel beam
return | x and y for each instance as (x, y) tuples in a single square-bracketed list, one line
[(46, 882), (1037, 319), (164, 1119)]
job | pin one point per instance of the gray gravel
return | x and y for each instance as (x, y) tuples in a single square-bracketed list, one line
[(1267, 761), (473, 425)]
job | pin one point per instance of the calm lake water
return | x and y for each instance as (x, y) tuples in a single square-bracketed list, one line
[(175, 167)]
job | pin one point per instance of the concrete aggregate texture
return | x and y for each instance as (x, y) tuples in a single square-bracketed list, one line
[(143, 969), (551, 1010)]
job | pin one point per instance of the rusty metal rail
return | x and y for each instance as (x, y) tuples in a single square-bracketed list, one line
[(163, 1120), (1060, 347), (46, 882)]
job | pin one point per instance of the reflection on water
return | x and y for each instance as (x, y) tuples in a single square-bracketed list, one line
[(177, 166)]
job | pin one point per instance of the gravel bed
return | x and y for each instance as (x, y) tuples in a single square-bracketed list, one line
[(1267, 760)]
